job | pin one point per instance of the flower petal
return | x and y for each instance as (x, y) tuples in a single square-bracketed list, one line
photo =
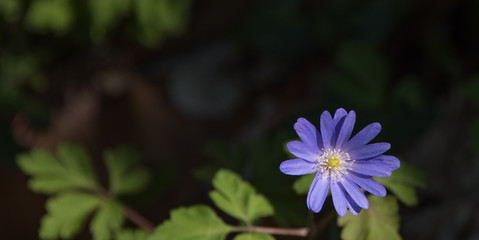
[(369, 151), (391, 161), (327, 129), (364, 136), (344, 133), (386, 161), (371, 168), (339, 200), (355, 192), (340, 112), (352, 205), (301, 150), (296, 167), (368, 184), (338, 121), (308, 134), (318, 193)]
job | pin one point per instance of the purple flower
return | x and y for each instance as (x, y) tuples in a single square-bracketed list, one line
[(341, 163)]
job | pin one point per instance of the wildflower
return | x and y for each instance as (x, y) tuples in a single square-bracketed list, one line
[(341, 163)]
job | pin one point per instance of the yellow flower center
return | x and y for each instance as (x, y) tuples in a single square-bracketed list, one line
[(333, 162)]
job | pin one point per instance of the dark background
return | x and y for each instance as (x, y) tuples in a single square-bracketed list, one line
[(206, 84)]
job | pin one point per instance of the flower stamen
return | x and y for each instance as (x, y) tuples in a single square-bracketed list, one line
[(334, 163)]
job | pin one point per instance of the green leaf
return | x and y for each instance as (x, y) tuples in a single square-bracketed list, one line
[(107, 221), (403, 182), (125, 176), (194, 223), (66, 214), (54, 15), (302, 185), (77, 161), (130, 234), (254, 236), (71, 169), (380, 221), (237, 198)]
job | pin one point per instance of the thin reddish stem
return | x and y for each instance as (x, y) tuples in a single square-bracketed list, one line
[(300, 232), (136, 218)]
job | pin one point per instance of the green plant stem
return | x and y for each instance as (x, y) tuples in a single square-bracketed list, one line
[(136, 218), (300, 232)]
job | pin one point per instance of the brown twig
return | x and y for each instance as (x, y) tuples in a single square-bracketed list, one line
[(300, 232), (136, 218)]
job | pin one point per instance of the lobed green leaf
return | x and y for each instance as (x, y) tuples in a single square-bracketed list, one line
[(71, 169), (238, 198), (193, 223), (107, 221), (66, 214), (380, 221)]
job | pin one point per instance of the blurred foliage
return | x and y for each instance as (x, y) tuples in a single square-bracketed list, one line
[(471, 90), (125, 176), (302, 184), (69, 175), (379, 221), (36, 34), (403, 181), (440, 51), (363, 75), (50, 15), (155, 19), (408, 92), (16, 72), (10, 9), (105, 15)]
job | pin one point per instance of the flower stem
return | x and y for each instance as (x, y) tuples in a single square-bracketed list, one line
[(301, 232), (136, 218)]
